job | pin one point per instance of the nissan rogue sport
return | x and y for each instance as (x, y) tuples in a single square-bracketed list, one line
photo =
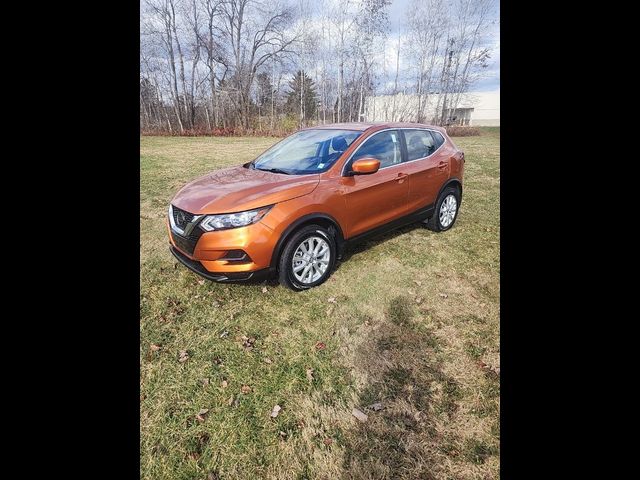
[(291, 211)]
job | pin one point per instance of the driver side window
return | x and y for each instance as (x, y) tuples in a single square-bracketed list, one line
[(383, 146)]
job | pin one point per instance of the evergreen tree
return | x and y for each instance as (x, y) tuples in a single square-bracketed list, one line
[(264, 91), (302, 98)]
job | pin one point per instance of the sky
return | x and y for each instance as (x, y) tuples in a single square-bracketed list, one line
[(491, 80)]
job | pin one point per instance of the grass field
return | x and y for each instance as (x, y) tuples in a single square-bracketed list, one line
[(410, 319)]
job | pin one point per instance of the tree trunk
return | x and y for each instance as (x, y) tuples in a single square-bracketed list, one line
[(395, 83)]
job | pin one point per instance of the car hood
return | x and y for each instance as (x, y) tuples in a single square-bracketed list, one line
[(237, 188)]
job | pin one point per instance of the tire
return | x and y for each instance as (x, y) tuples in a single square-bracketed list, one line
[(311, 235), (435, 223)]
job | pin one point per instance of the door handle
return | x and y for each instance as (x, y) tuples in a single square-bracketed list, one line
[(443, 164), (401, 176)]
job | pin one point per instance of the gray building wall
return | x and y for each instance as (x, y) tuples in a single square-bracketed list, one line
[(478, 108)]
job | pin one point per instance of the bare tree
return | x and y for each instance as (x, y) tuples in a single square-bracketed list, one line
[(426, 22), (256, 31)]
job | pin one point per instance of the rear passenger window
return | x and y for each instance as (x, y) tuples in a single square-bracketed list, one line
[(420, 143), (383, 146)]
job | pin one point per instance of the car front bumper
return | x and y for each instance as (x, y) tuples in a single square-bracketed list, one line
[(209, 255), (197, 267)]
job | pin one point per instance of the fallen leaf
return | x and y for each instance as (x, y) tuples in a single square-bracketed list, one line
[(200, 282), (283, 435), (230, 401), (215, 303), (275, 411), (418, 283), (201, 414), (224, 384), (328, 441), (184, 356), (359, 415), (247, 342), (375, 406), (264, 290), (419, 300), (444, 295), (245, 389), (310, 375), (267, 360), (320, 346), (332, 300), (217, 361), (154, 347), (205, 382), (224, 334), (213, 476)]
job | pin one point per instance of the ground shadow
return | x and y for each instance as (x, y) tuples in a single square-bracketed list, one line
[(404, 375), (361, 247)]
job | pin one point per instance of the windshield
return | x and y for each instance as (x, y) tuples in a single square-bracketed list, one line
[(307, 151)]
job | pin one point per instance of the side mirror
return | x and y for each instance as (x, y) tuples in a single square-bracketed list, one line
[(365, 166)]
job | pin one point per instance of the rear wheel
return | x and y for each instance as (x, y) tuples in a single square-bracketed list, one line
[(446, 210), (307, 259)]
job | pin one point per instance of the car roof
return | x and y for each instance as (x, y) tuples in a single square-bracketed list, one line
[(363, 126)]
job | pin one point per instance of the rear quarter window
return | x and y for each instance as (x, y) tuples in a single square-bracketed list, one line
[(438, 139)]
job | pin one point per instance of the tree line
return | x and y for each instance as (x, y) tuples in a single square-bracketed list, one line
[(272, 66)]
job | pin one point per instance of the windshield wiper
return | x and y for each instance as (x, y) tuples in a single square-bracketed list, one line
[(272, 170)]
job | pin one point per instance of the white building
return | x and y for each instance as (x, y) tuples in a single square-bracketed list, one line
[(473, 108)]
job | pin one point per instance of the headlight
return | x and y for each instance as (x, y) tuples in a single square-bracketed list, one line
[(233, 220)]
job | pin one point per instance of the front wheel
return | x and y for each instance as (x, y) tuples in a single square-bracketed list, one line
[(307, 259), (446, 210)]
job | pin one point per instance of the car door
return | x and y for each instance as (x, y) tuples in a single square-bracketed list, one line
[(427, 167), (375, 199)]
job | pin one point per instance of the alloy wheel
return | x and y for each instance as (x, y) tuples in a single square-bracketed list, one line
[(311, 259), (448, 210)]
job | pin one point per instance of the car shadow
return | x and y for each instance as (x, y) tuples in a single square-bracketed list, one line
[(362, 246)]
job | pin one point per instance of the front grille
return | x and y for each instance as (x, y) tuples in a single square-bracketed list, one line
[(186, 243), (183, 243), (181, 217)]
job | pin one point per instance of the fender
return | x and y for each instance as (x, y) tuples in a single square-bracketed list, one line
[(308, 218), (451, 181)]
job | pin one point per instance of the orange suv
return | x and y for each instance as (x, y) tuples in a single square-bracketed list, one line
[(291, 211)]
